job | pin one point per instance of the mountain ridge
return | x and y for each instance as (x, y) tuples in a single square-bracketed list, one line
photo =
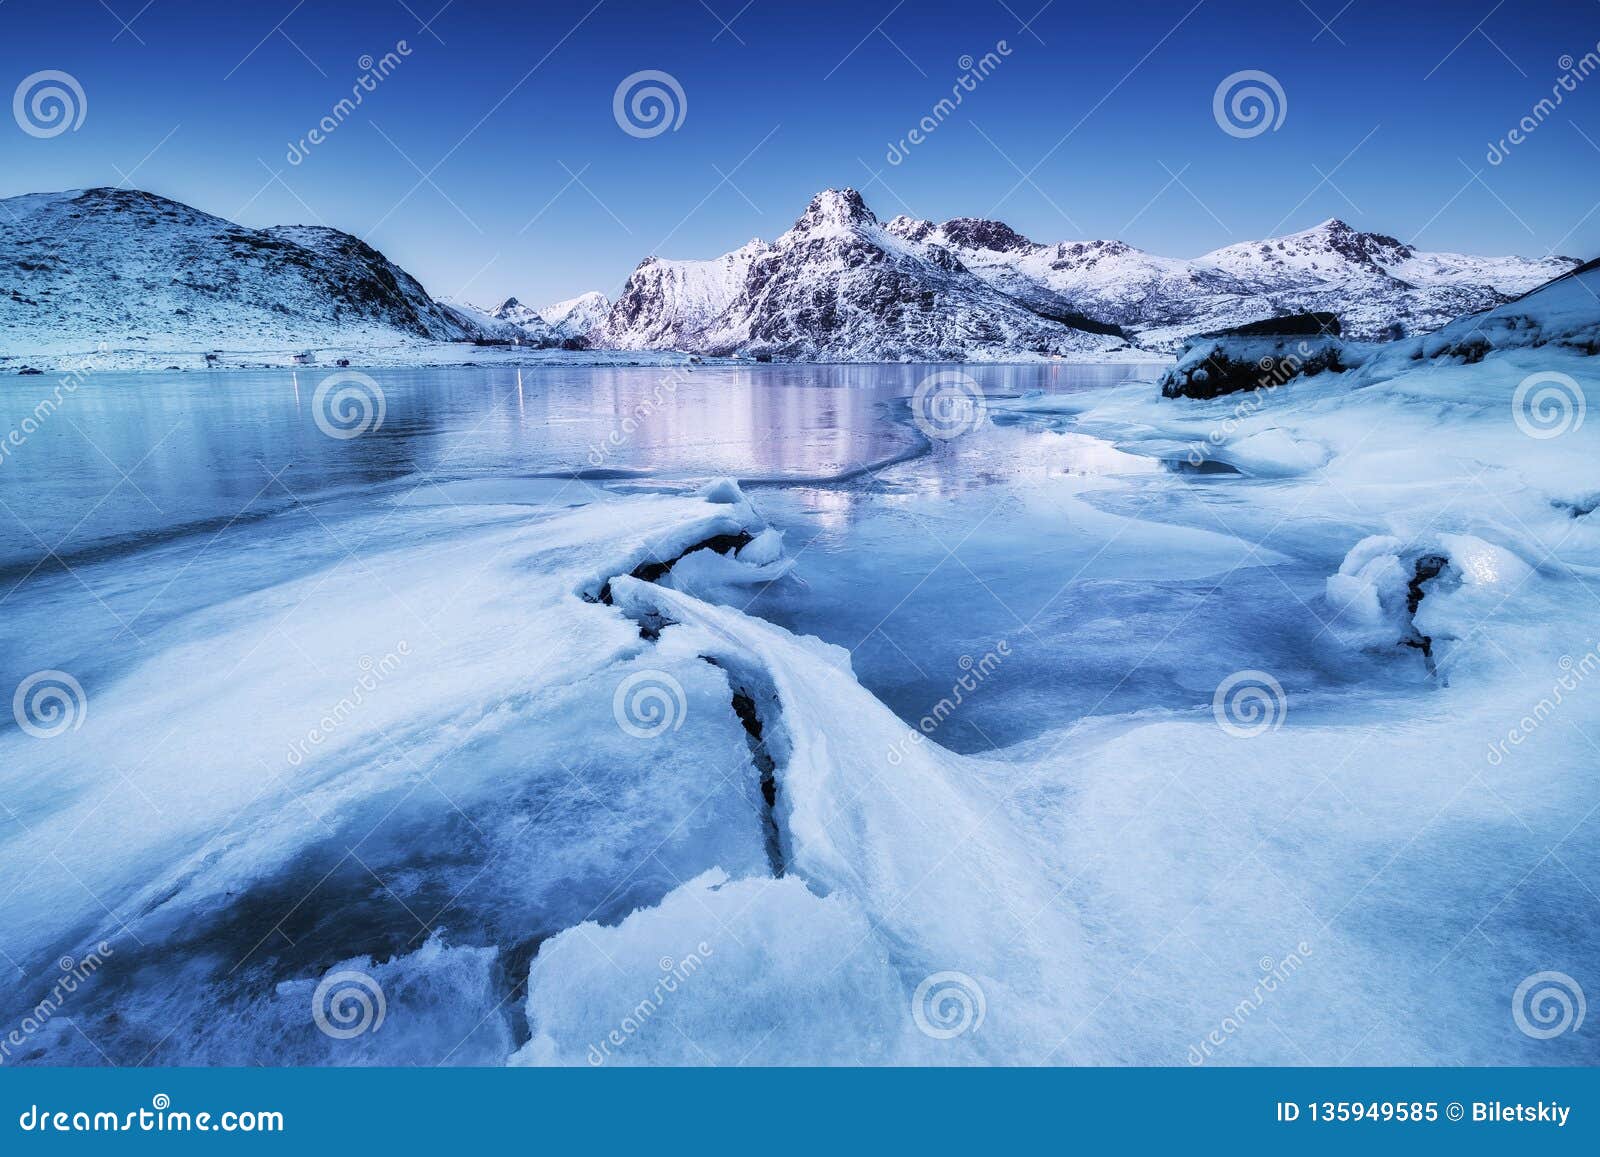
[(87, 268), (102, 267), (1381, 287), (840, 286)]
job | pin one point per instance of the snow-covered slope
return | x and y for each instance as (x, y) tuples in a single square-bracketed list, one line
[(1379, 286), (132, 272), (1334, 251), (1562, 316), (1109, 280), (676, 304), (578, 317), (510, 321), (838, 286), (124, 269)]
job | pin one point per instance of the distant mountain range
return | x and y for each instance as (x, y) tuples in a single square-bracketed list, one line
[(126, 269), (1380, 287), (842, 285)]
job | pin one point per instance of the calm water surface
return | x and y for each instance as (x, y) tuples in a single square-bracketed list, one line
[(128, 456)]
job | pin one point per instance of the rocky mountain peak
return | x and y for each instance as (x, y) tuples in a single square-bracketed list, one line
[(979, 233), (911, 228), (836, 207), (1354, 244)]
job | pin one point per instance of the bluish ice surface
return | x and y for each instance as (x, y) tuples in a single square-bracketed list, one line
[(217, 573)]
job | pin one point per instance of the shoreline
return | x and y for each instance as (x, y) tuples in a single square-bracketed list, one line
[(449, 355)]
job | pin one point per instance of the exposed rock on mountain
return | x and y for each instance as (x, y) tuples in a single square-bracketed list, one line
[(509, 323), (838, 286), (678, 304), (131, 271), (578, 317), (1562, 316), (127, 269), (1380, 287)]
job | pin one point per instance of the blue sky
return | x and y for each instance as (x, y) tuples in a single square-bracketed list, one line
[(490, 163)]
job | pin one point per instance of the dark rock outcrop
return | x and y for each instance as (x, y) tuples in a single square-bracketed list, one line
[(1258, 355)]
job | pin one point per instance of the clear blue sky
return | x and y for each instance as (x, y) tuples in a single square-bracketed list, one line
[(533, 189)]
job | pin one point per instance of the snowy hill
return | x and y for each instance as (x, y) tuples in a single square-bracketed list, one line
[(1560, 318), (1379, 286), (128, 270), (577, 317), (839, 286)]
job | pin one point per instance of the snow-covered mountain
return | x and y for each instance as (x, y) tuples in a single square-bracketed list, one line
[(1380, 287), (124, 269), (131, 271), (1560, 316), (678, 304), (577, 317), (509, 321), (839, 286)]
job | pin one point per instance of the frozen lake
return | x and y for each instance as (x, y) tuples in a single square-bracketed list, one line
[(349, 704)]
